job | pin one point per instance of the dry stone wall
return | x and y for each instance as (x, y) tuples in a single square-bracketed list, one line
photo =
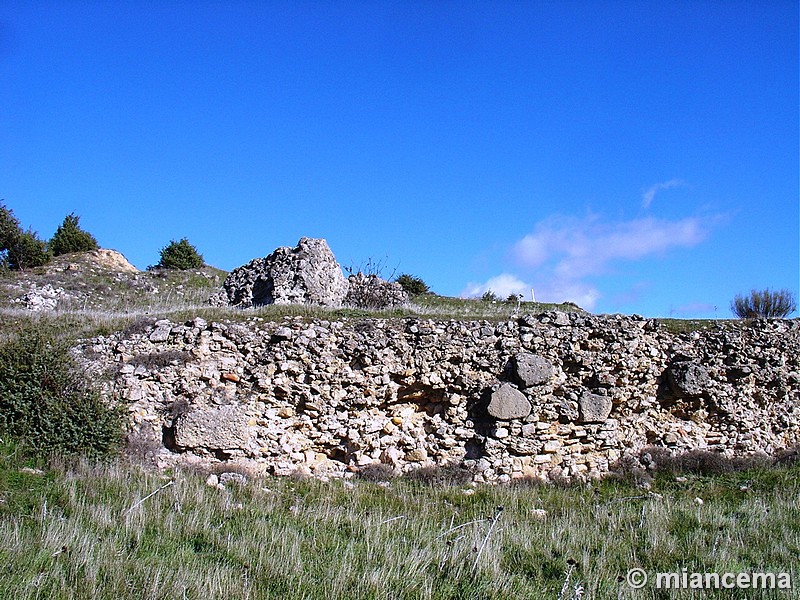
[(553, 395)]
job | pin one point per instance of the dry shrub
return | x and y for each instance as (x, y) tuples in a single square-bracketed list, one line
[(376, 472), (448, 475), (159, 360)]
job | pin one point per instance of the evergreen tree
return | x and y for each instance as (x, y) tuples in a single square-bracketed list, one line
[(27, 251), (69, 237), (180, 255), (19, 249)]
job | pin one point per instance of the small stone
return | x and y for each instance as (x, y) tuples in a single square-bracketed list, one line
[(539, 514), (552, 446), (416, 455), (30, 471), (160, 333)]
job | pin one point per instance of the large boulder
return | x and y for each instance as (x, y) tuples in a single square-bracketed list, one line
[(594, 408), (687, 379), (530, 369), (306, 274), (507, 402)]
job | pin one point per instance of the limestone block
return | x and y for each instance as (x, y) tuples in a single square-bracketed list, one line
[(221, 428), (687, 379)]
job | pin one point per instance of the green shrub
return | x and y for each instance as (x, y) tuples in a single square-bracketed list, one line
[(413, 286), (490, 296), (27, 252), (19, 249), (48, 403), (765, 304), (69, 237), (180, 255), (9, 228)]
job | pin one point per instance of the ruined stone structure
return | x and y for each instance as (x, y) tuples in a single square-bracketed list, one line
[(552, 395), (306, 274)]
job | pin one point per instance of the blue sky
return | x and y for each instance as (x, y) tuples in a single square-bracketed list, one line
[(630, 156)]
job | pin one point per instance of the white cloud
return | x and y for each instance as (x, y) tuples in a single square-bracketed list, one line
[(505, 284), (562, 255), (502, 285), (650, 193), (581, 293), (577, 248)]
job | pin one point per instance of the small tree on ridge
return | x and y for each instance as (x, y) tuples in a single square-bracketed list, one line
[(69, 237), (181, 256)]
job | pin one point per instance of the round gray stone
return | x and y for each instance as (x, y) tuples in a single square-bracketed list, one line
[(507, 402)]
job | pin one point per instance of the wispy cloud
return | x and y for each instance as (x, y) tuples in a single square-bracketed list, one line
[(562, 255), (582, 247), (650, 193)]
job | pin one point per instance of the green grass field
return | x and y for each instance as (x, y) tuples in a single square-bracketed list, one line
[(94, 531)]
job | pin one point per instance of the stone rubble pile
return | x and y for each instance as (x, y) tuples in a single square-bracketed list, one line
[(372, 292), (553, 395), (42, 298)]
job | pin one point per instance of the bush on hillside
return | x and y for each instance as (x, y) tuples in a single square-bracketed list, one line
[(490, 296), (765, 304), (413, 286), (19, 249), (69, 237), (27, 252), (181, 256), (48, 403), (10, 229)]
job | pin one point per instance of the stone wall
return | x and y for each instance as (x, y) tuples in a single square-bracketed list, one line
[(553, 395)]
